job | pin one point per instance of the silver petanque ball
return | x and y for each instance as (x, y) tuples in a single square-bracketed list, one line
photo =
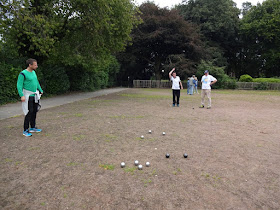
[(150, 131), (142, 137), (148, 164), (163, 133), (140, 167), (122, 164), (136, 162)]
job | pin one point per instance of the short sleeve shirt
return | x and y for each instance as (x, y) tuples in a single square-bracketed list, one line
[(175, 83), (206, 80)]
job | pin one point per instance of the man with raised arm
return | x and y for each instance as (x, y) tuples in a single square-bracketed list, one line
[(176, 85)]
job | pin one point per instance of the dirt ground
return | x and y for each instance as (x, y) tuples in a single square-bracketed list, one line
[(233, 148)]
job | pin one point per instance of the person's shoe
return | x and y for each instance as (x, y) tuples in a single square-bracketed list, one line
[(178, 105), (26, 133), (173, 105), (35, 130), (209, 107), (202, 106)]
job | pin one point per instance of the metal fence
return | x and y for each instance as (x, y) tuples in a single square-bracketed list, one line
[(151, 84), (239, 85)]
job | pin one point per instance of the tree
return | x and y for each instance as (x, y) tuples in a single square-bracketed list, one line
[(163, 37), (246, 6), (260, 27), (69, 31), (219, 23), (76, 39)]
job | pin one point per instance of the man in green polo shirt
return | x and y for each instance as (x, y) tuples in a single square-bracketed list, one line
[(30, 91)]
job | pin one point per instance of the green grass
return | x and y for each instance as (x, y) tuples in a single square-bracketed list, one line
[(15, 116), (18, 163), (107, 166), (78, 115), (79, 137), (145, 96), (109, 137), (177, 171), (8, 160), (146, 182), (72, 164), (154, 172), (213, 179), (206, 175), (130, 170), (248, 92), (156, 89), (145, 139)]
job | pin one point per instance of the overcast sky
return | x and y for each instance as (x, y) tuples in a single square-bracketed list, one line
[(170, 3)]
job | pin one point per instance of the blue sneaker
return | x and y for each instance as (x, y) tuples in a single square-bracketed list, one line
[(173, 105), (178, 105), (26, 133), (35, 130)]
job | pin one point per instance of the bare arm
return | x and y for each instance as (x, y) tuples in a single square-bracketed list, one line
[(212, 83), (181, 85), (171, 73)]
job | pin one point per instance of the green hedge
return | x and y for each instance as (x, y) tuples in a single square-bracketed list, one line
[(55, 80), (8, 83), (245, 78), (58, 78), (269, 80), (248, 78)]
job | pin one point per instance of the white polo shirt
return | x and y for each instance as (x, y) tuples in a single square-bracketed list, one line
[(175, 83)]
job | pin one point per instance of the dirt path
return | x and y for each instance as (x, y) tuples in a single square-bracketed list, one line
[(14, 109)]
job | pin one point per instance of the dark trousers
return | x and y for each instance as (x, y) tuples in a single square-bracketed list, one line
[(176, 93), (30, 118)]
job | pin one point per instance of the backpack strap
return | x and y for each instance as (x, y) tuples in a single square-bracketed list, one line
[(22, 74)]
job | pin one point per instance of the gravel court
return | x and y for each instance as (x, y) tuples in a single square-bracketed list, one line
[(75, 162)]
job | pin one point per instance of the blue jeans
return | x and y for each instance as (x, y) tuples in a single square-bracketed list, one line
[(191, 89)]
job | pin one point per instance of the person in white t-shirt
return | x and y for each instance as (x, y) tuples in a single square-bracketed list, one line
[(176, 85), (206, 82)]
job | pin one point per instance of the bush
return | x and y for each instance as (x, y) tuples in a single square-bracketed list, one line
[(268, 80), (55, 80), (99, 74), (228, 83), (245, 78), (113, 69), (8, 83), (262, 86), (81, 80), (224, 81)]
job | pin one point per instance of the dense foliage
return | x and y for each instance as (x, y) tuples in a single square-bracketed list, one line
[(73, 41), (162, 41), (224, 81), (259, 32), (218, 22)]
